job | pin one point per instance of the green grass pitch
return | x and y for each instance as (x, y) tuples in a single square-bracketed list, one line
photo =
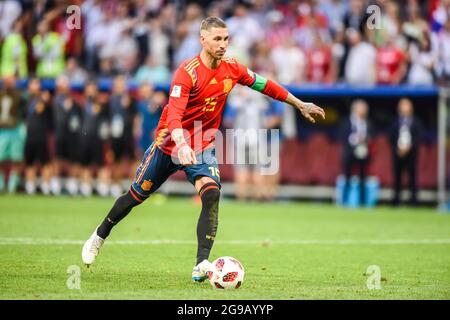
[(290, 250)]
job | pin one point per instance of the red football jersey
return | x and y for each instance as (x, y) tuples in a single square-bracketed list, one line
[(319, 64), (196, 102), (389, 61)]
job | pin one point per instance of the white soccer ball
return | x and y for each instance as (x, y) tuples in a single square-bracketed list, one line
[(226, 273)]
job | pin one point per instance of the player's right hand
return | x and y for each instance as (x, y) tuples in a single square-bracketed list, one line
[(186, 155)]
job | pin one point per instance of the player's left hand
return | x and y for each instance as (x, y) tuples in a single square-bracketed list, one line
[(310, 110)]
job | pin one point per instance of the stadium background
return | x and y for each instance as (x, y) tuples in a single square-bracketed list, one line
[(146, 40)]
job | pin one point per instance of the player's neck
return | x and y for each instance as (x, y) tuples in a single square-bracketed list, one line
[(209, 60)]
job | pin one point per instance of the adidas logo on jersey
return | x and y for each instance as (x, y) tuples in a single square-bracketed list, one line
[(213, 81)]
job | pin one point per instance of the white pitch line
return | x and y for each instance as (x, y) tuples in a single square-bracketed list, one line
[(41, 241)]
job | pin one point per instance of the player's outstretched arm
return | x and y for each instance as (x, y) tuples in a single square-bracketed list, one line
[(274, 90)]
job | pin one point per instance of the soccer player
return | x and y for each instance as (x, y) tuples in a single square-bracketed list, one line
[(67, 119), (198, 94), (123, 119), (94, 133), (39, 122)]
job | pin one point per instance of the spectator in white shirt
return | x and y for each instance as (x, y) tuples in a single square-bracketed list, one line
[(10, 10), (422, 62), (92, 15), (361, 60), (242, 25), (188, 47), (289, 61), (126, 54), (159, 43)]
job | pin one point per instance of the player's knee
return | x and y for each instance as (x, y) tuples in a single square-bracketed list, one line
[(129, 200), (210, 194)]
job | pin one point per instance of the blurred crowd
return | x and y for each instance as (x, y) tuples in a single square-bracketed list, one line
[(293, 42), (314, 41)]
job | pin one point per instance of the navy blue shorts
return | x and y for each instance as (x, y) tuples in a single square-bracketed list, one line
[(156, 167)]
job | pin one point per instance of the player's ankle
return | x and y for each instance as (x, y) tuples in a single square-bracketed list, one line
[(104, 229)]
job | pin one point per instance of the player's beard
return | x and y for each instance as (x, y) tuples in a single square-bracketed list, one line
[(219, 54), (215, 54)]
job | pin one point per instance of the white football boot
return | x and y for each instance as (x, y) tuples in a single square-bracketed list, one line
[(200, 271), (91, 248)]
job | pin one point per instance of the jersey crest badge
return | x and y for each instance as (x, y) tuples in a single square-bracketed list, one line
[(227, 85)]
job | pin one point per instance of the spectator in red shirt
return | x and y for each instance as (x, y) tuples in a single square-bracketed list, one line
[(391, 63), (72, 36), (320, 68)]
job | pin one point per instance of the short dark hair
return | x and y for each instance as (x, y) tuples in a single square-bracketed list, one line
[(212, 22)]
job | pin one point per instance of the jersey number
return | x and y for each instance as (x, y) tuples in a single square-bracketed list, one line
[(214, 171), (210, 104)]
